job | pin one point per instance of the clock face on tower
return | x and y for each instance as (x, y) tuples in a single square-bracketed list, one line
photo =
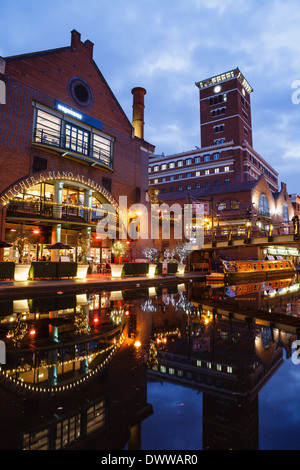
[(217, 89)]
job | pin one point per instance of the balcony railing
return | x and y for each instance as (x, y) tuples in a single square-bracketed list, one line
[(48, 210), (67, 143)]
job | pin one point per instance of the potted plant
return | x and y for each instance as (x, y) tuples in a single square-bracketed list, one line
[(150, 253), (182, 250), (21, 239), (118, 249), (82, 240)]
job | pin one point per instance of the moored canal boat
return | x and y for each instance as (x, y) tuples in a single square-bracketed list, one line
[(221, 269)]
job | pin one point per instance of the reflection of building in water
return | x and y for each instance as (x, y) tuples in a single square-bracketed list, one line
[(67, 384), (229, 360)]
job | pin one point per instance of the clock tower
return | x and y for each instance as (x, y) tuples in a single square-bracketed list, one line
[(225, 109)]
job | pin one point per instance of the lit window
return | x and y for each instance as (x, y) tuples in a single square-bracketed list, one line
[(197, 173), (199, 363), (226, 168), (207, 172), (219, 367), (156, 168), (227, 181), (180, 163), (217, 170), (188, 161), (172, 165), (229, 369), (164, 166), (208, 365), (155, 181)]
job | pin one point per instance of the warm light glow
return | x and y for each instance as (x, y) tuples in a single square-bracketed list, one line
[(152, 268), (116, 270), (81, 271), (32, 332), (21, 272), (36, 231), (137, 343), (96, 320)]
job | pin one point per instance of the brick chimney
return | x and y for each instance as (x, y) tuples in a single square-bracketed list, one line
[(138, 111)]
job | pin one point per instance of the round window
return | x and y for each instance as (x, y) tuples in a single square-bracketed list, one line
[(80, 92)]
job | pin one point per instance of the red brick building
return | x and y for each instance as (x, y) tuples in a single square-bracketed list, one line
[(65, 146), (240, 186)]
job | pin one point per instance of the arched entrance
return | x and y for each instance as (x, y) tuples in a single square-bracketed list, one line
[(55, 206)]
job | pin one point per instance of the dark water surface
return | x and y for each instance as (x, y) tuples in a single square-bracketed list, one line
[(184, 367)]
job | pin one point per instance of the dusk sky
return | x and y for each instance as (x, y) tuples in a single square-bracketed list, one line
[(166, 46)]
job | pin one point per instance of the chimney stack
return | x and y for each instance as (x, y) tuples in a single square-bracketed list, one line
[(138, 111)]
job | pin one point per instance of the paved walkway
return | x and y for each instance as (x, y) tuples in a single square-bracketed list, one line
[(99, 281)]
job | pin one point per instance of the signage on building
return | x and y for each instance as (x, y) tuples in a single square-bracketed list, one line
[(69, 111)]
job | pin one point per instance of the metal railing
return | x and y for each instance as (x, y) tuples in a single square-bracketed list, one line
[(65, 142)]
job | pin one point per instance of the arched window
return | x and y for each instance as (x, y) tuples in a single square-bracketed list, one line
[(263, 207)]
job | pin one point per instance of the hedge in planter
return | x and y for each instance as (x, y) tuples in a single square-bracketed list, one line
[(42, 270), (135, 269)]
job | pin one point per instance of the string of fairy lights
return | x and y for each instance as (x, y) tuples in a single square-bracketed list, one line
[(37, 388)]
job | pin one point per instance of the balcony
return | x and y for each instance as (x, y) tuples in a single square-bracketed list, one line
[(76, 147), (40, 209)]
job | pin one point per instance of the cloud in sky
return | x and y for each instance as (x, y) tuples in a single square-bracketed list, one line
[(168, 45)]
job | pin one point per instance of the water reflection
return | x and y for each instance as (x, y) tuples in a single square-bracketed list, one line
[(79, 367)]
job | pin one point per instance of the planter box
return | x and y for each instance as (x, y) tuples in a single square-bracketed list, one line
[(43, 270), (172, 268), (66, 269), (22, 272), (116, 270), (135, 269), (7, 270)]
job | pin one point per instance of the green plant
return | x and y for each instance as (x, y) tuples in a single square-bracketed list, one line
[(119, 248), (82, 240)]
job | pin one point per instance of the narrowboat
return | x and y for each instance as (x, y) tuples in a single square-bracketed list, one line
[(268, 287), (222, 270)]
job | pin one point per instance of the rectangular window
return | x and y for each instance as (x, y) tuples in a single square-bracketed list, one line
[(180, 163), (229, 369), (48, 128), (55, 131), (285, 213), (197, 173), (164, 166), (207, 184), (226, 168), (156, 168), (207, 172), (226, 181), (189, 186), (180, 177), (188, 161), (217, 170), (197, 159), (206, 158), (216, 156), (179, 188), (172, 165), (197, 185), (217, 182), (77, 139), (171, 178), (102, 149), (189, 175)]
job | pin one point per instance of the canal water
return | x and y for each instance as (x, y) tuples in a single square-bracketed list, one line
[(185, 367)]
